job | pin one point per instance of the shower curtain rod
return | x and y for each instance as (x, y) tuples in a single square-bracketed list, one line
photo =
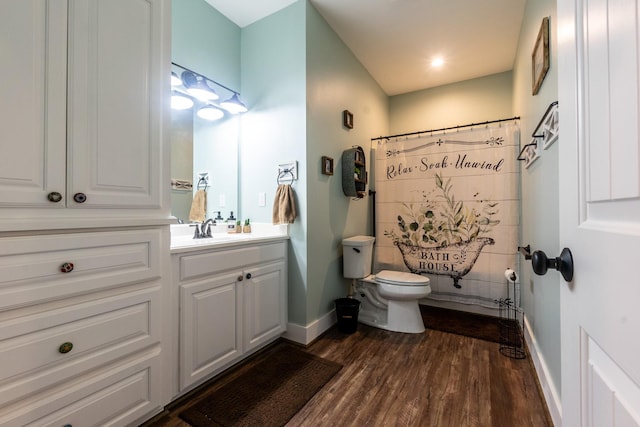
[(441, 129)]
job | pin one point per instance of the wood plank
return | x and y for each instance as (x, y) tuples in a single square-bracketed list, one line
[(429, 379)]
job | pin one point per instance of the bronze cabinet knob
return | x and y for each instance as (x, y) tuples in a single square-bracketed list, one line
[(54, 196), (65, 347), (67, 267)]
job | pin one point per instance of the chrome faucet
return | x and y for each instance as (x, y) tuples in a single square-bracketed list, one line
[(196, 234), (205, 230)]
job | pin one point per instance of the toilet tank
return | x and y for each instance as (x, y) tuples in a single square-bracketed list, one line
[(358, 256)]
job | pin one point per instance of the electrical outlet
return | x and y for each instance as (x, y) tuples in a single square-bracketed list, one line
[(262, 199)]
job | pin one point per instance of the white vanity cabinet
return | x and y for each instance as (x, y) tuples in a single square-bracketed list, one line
[(82, 103), (81, 327), (233, 301)]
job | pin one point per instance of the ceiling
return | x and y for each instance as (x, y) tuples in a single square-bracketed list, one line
[(396, 40)]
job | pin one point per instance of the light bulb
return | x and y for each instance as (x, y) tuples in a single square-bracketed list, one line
[(234, 105), (210, 113), (181, 102)]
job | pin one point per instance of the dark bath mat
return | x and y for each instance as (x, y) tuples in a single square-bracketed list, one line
[(461, 323), (267, 394)]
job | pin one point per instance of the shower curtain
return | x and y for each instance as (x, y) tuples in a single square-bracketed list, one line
[(447, 206)]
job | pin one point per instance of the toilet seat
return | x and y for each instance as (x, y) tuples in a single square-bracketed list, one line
[(401, 278)]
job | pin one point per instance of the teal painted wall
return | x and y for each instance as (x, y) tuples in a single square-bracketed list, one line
[(471, 101), (297, 77), (540, 196), (336, 81), (205, 41), (274, 131)]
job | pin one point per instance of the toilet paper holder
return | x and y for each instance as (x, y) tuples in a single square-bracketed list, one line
[(525, 250), (541, 263)]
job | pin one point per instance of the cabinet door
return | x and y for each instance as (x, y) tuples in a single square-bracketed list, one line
[(210, 326), (118, 75), (265, 303), (33, 101)]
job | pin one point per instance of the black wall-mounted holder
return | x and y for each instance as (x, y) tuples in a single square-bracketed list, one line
[(563, 263), (525, 251)]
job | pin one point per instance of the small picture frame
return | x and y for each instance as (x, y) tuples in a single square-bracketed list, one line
[(327, 165), (347, 119), (540, 56)]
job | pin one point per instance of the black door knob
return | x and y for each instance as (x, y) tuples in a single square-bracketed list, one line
[(564, 263)]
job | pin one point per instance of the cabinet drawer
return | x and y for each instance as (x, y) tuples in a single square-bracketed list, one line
[(32, 355), (118, 394), (30, 267), (192, 266)]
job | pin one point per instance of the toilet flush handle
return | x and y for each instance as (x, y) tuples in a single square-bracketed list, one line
[(564, 263), (357, 250)]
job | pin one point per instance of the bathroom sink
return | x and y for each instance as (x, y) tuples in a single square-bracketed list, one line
[(182, 236), (182, 241)]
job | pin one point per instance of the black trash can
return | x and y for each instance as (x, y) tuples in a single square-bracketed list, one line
[(347, 311)]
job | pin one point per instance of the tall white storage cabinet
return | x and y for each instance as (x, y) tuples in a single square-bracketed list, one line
[(82, 105), (84, 235)]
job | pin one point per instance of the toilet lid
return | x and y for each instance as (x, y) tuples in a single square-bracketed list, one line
[(400, 278)]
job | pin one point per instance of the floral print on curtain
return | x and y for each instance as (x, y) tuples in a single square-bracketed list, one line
[(447, 206)]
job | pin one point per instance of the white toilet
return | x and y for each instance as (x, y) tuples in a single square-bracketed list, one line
[(389, 299)]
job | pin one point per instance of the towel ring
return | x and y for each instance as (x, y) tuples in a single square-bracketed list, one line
[(202, 181), (282, 177)]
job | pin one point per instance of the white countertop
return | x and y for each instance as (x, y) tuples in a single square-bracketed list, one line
[(182, 237)]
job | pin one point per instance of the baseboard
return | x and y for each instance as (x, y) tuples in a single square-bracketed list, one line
[(306, 334), (549, 391), (469, 308)]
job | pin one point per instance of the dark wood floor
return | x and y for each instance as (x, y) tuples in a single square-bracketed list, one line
[(429, 379)]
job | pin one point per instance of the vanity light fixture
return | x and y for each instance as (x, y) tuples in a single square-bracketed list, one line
[(209, 112), (180, 102), (234, 105), (199, 87)]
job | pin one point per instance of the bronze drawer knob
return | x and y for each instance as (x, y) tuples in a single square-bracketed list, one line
[(67, 267), (54, 196), (65, 347)]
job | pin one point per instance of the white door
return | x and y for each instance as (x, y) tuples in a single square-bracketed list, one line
[(598, 81)]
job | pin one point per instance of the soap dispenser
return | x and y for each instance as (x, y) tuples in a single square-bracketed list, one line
[(231, 223)]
